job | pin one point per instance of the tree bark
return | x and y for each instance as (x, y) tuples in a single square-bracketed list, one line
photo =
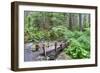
[(81, 21), (70, 21)]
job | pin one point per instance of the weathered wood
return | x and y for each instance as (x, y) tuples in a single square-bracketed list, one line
[(44, 52), (37, 47), (55, 46)]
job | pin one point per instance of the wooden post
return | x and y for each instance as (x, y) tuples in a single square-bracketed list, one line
[(55, 49), (44, 51), (37, 47), (55, 46), (61, 46), (48, 44)]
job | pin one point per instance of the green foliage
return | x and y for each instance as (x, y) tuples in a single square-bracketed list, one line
[(87, 31), (85, 42), (77, 34), (79, 46), (86, 24), (50, 26), (74, 50), (46, 35), (58, 32), (33, 35), (57, 19)]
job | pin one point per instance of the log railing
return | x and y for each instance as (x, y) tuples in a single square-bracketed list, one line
[(49, 50)]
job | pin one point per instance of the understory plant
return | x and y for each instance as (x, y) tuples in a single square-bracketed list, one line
[(79, 46)]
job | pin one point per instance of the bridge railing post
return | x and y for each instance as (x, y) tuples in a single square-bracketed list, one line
[(61, 46), (37, 47), (55, 46), (44, 50)]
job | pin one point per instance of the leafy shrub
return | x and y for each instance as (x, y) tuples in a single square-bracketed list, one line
[(61, 32), (57, 32), (32, 34), (46, 35), (77, 34), (79, 47), (85, 42), (76, 50), (87, 31)]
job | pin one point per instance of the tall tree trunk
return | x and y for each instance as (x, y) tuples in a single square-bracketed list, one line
[(70, 21), (81, 21), (87, 19), (66, 17), (45, 21), (75, 20)]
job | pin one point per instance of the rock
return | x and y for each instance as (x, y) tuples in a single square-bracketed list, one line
[(63, 56)]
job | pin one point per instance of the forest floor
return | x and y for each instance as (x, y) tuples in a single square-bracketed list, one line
[(63, 56)]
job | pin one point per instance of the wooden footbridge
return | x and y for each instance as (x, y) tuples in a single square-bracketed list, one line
[(43, 51)]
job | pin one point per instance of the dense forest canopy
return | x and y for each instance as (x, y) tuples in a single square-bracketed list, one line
[(56, 26)]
